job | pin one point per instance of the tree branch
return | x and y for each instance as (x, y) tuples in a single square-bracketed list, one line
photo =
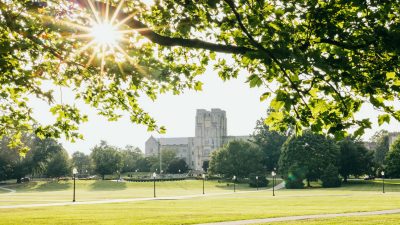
[(144, 30)]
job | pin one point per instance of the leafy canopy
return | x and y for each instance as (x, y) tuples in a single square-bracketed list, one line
[(319, 61)]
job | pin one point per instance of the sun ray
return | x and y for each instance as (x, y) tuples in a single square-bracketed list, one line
[(85, 47), (91, 59), (123, 21), (107, 11), (139, 69), (94, 11), (102, 61), (117, 11)]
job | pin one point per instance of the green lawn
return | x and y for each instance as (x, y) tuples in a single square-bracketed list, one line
[(364, 220), (48, 192), (353, 197)]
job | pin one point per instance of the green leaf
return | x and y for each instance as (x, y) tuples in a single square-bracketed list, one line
[(198, 86), (265, 96), (383, 118), (390, 75)]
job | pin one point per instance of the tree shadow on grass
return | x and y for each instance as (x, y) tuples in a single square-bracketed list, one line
[(53, 186), (101, 185)]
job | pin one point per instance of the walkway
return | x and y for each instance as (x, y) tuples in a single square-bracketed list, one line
[(306, 217), (7, 189), (277, 187)]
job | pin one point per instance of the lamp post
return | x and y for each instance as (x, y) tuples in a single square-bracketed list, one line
[(154, 182), (234, 183), (257, 182), (74, 172), (383, 181), (273, 182), (204, 177)]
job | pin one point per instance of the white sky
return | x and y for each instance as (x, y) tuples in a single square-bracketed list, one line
[(177, 113)]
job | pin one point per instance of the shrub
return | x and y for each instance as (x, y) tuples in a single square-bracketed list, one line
[(330, 177), (294, 178), (262, 180)]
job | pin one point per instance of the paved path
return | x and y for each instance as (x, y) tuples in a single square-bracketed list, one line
[(7, 189), (291, 218), (277, 187)]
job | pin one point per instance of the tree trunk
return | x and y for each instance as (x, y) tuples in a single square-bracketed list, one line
[(345, 179), (308, 183), (102, 176)]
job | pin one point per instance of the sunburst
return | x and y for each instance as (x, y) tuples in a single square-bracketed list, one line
[(104, 34)]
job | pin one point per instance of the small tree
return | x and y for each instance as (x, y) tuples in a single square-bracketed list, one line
[(330, 177), (59, 165), (311, 152), (177, 165), (355, 158), (239, 158), (107, 159), (270, 143), (205, 166), (81, 162), (381, 138), (295, 177), (393, 160)]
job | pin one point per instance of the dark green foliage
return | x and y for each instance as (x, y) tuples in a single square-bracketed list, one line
[(309, 152), (262, 181), (270, 143), (355, 158), (143, 164), (177, 166), (59, 165), (381, 138), (393, 160), (107, 159), (237, 158), (130, 157), (167, 156), (14, 166), (82, 163), (295, 176), (330, 177), (205, 166)]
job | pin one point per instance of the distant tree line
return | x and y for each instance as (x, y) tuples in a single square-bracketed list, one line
[(49, 159), (307, 157)]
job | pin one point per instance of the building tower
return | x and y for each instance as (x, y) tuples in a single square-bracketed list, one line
[(209, 134)]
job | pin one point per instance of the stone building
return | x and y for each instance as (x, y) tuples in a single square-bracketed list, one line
[(210, 134)]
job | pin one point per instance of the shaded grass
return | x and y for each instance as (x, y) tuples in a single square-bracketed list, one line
[(47, 192)]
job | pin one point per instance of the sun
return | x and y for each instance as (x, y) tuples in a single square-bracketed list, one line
[(105, 34)]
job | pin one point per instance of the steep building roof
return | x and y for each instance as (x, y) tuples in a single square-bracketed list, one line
[(174, 141)]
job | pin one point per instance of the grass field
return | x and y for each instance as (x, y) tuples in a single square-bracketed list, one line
[(364, 220), (49, 192), (353, 197)]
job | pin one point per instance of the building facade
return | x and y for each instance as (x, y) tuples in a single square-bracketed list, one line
[(210, 134)]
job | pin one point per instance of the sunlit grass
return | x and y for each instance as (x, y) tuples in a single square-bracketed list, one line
[(353, 197)]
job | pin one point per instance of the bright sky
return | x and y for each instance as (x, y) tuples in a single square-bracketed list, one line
[(177, 113)]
